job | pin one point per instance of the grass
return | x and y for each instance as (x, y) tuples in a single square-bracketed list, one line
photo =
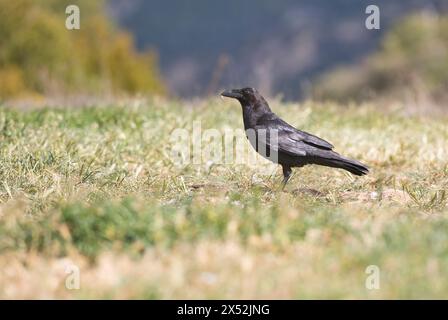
[(96, 187)]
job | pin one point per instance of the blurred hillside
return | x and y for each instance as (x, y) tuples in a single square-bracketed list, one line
[(411, 65), (277, 46), (39, 56), (294, 48)]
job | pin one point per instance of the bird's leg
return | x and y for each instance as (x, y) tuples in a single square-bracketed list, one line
[(286, 175)]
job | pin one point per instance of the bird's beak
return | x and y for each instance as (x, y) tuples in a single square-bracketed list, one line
[(234, 93)]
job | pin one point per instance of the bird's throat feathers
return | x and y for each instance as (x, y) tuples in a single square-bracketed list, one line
[(254, 111)]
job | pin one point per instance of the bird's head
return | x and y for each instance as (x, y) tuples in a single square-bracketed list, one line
[(246, 96)]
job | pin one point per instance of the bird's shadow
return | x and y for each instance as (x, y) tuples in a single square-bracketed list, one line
[(307, 191), (262, 188)]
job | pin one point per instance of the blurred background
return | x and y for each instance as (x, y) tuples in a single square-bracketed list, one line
[(296, 49)]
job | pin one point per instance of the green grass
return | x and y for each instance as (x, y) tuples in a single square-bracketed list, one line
[(97, 187)]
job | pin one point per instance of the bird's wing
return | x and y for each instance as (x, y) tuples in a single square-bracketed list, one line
[(310, 139), (279, 141), (288, 135)]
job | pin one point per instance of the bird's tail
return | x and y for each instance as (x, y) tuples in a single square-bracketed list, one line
[(335, 160)]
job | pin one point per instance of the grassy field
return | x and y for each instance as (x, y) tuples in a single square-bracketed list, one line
[(96, 188)]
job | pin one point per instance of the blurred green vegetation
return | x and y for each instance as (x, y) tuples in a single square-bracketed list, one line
[(412, 61), (38, 55)]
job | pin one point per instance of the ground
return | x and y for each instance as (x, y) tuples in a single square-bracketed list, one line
[(95, 189)]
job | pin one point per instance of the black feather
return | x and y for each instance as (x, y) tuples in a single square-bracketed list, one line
[(295, 148)]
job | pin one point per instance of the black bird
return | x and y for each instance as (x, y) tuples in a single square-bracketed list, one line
[(292, 147)]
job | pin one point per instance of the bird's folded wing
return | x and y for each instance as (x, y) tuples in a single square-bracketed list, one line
[(272, 122), (310, 139), (280, 141)]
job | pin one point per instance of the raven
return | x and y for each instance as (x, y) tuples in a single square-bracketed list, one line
[(292, 147)]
